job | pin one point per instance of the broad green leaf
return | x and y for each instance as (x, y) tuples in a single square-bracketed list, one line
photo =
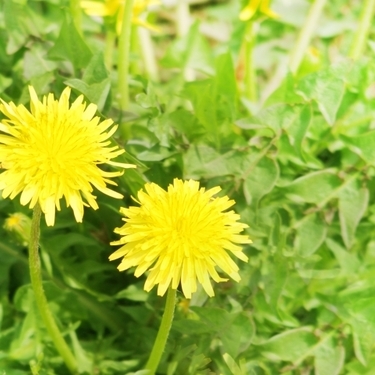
[(20, 22), (96, 71), (204, 161), (132, 293), (235, 330), (327, 88), (364, 145), (353, 202), (260, 180), (291, 345), (70, 46), (203, 97), (315, 187), (226, 88), (285, 93), (275, 279), (231, 363), (96, 93), (363, 339), (329, 358), (319, 274), (36, 63), (348, 261), (186, 123), (311, 232)]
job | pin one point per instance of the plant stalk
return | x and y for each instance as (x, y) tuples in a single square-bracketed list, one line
[(163, 333), (305, 35), (124, 55), (40, 297), (250, 75), (363, 30)]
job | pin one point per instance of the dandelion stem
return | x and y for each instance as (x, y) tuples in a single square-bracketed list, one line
[(250, 76), (148, 54), (161, 338), (110, 39), (364, 26), (305, 35), (124, 55), (40, 297)]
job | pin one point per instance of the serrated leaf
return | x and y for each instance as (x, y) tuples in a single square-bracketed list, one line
[(327, 88), (311, 232), (260, 180), (70, 46), (290, 345), (363, 339), (96, 93), (19, 24), (329, 358), (235, 330), (314, 187), (364, 145), (349, 262), (353, 202)]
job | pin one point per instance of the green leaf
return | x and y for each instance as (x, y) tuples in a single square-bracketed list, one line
[(285, 93), (20, 22), (186, 123), (132, 293), (315, 187), (291, 345), (260, 180), (96, 93), (363, 338), (226, 88), (327, 88), (235, 330), (311, 232), (204, 161), (364, 145), (353, 202), (96, 71), (70, 46), (275, 280), (329, 358), (348, 262)]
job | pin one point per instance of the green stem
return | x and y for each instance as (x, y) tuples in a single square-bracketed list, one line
[(363, 30), (250, 76), (148, 54), (124, 55), (40, 297), (183, 24), (305, 35), (161, 338), (110, 39)]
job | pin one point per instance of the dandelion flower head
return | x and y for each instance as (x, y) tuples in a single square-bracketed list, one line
[(257, 7), (116, 8), (54, 151), (181, 235)]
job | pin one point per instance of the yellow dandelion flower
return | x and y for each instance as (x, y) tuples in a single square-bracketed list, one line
[(180, 235), (110, 8), (53, 151), (255, 6)]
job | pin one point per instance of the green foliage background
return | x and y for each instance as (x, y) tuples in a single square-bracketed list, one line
[(296, 152)]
